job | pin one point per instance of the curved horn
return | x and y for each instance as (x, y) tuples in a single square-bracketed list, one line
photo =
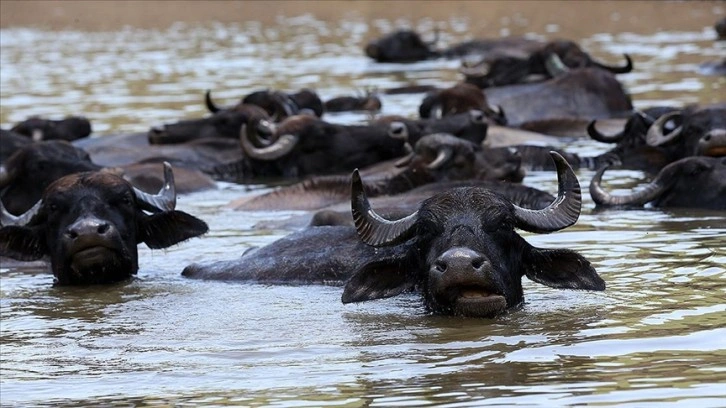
[(8, 219), (210, 104), (165, 199), (617, 70), (398, 130), (437, 34), (650, 192), (602, 138), (281, 147), (373, 229), (655, 136), (562, 212), (554, 65), (283, 106), (442, 158)]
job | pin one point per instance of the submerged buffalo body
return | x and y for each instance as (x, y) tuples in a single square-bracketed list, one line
[(692, 182), (459, 249), (70, 128), (408, 46), (89, 225)]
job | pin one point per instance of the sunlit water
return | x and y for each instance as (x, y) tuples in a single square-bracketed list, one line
[(657, 335)]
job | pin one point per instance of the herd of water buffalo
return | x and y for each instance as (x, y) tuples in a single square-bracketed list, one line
[(432, 203)]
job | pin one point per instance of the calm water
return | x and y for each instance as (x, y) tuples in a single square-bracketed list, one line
[(655, 336)]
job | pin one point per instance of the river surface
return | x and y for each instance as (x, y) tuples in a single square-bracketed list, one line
[(656, 336)]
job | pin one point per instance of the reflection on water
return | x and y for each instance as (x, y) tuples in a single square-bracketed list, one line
[(656, 334)]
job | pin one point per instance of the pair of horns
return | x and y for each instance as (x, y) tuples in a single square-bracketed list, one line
[(375, 230), (164, 200)]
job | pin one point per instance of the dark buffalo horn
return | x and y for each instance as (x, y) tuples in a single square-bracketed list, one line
[(373, 229), (165, 199), (650, 192), (617, 70), (210, 104), (283, 106), (597, 136), (442, 158), (8, 219), (281, 147), (554, 65), (655, 135), (562, 212)]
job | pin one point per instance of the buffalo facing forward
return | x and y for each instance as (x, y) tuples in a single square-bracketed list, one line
[(90, 224)]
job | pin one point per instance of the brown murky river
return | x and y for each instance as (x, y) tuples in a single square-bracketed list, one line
[(657, 336)]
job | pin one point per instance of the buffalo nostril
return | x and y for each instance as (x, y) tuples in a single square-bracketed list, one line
[(440, 266), (707, 137), (72, 234), (477, 263), (103, 228)]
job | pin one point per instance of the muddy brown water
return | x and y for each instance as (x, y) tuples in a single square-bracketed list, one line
[(656, 336)]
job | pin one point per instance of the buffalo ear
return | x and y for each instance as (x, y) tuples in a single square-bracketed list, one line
[(377, 280), (22, 243), (165, 229), (562, 269)]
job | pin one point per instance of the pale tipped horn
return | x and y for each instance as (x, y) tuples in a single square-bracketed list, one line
[(165, 199), (561, 213), (9, 219), (280, 148)]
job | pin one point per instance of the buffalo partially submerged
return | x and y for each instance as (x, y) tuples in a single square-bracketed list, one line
[(408, 46), (469, 125), (70, 128), (278, 104), (459, 249), (459, 98), (549, 61), (305, 145), (90, 224), (369, 102), (25, 175), (584, 93), (693, 182), (436, 158)]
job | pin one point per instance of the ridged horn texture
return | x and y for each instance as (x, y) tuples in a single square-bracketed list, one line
[(562, 212), (373, 229), (617, 70), (281, 147), (638, 198), (165, 199), (655, 135), (554, 65), (210, 104), (9, 219)]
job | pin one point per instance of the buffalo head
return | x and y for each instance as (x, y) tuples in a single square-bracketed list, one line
[(70, 128), (401, 46), (462, 251), (89, 224)]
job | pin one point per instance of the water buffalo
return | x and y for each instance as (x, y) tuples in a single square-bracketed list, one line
[(693, 182), (70, 128), (436, 158), (305, 145), (89, 225), (459, 98), (507, 70), (470, 125), (368, 102), (223, 123), (589, 93), (25, 175), (278, 105), (692, 131), (459, 249), (407, 46)]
